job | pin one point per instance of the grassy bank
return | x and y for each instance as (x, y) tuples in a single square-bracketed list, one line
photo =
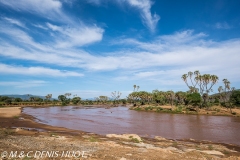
[(214, 110)]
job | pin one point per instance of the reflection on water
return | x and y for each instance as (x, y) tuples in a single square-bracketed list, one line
[(120, 120)]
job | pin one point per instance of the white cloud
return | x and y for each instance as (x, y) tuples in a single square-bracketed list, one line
[(28, 49), (145, 9), (23, 84), (181, 52), (144, 6), (70, 37), (166, 42), (165, 51), (40, 26), (223, 25), (39, 71), (14, 21), (50, 9)]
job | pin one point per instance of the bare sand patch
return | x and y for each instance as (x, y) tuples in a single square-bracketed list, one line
[(10, 111)]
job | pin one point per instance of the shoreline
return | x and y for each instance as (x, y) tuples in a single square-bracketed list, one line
[(25, 125), (214, 111)]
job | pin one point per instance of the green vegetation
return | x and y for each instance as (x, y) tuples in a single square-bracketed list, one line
[(15, 117), (6, 132), (226, 152), (26, 158), (210, 147), (93, 139), (135, 140), (76, 100), (175, 144), (199, 96), (235, 98)]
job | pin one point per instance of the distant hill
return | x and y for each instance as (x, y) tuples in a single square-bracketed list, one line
[(25, 96)]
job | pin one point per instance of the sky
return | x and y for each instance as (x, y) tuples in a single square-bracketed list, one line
[(93, 47)]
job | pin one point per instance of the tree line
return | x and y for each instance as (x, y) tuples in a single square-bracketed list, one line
[(198, 95)]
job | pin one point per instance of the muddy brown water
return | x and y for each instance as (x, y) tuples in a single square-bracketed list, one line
[(119, 120)]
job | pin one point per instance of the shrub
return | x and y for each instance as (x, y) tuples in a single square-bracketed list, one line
[(223, 104), (178, 109), (138, 109), (234, 113), (210, 147), (235, 98), (135, 140), (159, 109), (6, 132), (92, 139), (194, 99)]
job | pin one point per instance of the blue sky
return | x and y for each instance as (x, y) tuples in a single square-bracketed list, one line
[(93, 47)]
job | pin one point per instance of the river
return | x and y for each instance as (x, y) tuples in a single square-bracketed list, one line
[(119, 120)]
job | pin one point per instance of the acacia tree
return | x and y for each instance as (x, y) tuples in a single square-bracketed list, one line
[(170, 96), (225, 93), (116, 95), (180, 96), (76, 100), (133, 97), (63, 99), (103, 99), (67, 94)]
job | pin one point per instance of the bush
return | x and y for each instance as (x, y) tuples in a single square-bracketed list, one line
[(178, 109), (223, 104), (6, 132), (235, 98), (234, 113), (135, 140), (159, 109), (193, 99), (148, 108), (8, 101), (138, 109)]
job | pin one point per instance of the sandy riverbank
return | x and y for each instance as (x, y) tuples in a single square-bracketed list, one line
[(10, 111), (32, 136)]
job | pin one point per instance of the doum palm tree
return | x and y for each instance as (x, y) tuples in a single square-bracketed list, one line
[(134, 87)]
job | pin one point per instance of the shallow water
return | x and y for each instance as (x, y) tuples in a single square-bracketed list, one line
[(120, 120)]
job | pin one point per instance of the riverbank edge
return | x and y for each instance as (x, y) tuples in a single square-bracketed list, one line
[(172, 110), (29, 126), (166, 109)]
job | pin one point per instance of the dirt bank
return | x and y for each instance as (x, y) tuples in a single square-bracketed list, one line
[(10, 111)]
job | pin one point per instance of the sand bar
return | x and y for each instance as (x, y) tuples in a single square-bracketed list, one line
[(10, 111)]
